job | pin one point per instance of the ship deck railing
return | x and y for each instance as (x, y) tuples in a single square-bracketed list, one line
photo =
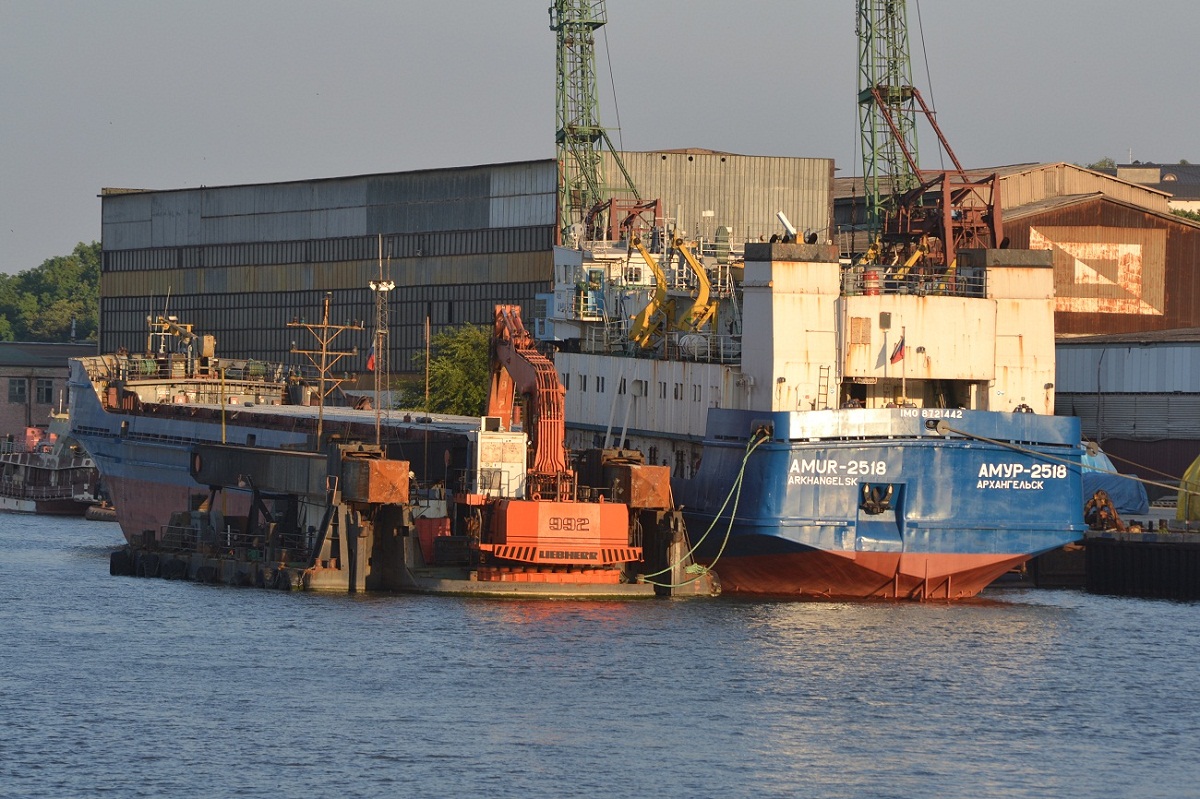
[(703, 346), (190, 538), (174, 366), (880, 279), (39, 493)]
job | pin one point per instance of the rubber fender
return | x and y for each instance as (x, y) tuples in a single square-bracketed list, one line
[(173, 569), (147, 564), (120, 564)]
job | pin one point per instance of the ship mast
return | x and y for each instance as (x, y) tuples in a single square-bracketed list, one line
[(324, 359)]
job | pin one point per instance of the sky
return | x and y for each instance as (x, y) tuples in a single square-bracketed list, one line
[(165, 94)]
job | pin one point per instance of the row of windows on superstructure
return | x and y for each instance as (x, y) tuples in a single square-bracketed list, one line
[(598, 384), (538, 238), (18, 390)]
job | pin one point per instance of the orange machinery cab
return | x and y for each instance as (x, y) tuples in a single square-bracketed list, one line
[(561, 533)]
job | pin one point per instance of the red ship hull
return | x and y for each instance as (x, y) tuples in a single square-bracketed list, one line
[(864, 575)]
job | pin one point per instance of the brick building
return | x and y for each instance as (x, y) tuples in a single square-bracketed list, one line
[(33, 383)]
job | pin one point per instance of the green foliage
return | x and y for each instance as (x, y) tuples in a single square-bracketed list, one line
[(1192, 215), (1103, 163), (458, 372), (40, 304)]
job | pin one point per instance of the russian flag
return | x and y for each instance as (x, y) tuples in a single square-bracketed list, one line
[(371, 359), (897, 353)]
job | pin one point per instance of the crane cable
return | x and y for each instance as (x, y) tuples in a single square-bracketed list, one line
[(735, 493)]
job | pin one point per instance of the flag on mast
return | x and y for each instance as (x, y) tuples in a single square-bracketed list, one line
[(898, 352), (371, 359)]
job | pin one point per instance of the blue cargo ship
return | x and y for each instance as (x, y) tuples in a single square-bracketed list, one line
[(833, 430)]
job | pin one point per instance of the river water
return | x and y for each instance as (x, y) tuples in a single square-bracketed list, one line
[(126, 687)]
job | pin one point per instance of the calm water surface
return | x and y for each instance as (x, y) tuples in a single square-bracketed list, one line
[(121, 686)]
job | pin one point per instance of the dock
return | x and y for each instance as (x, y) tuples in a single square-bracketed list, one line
[(1163, 564)]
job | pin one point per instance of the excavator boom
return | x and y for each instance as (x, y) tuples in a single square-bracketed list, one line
[(519, 368)]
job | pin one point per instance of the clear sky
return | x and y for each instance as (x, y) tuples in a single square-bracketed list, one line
[(171, 94)]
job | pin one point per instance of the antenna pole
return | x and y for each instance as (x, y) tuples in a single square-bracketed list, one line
[(325, 358), (379, 350)]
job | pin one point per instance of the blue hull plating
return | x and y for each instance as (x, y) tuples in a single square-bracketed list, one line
[(879, 503)]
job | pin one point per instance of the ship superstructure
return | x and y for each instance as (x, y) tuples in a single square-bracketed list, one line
[(843, 433)]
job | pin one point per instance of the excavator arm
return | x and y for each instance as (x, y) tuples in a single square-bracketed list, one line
[(518, 368)]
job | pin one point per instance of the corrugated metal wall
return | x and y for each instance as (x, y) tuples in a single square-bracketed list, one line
[(504, 195), (1046, 181), (1141, 402), (1124, 369), (1118, 269), (239, 262), (742, 192)]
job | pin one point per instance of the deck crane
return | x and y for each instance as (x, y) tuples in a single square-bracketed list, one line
[(916, 217), (588, 208)]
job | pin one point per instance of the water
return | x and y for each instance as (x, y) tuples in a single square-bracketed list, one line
[(129, 687)]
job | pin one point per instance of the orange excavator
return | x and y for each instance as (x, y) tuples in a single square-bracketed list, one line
[(567, 538)]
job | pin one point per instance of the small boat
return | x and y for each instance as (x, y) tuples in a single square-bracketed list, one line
[(46, 473)]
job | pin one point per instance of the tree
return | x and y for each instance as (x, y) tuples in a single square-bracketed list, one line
[(42, 304), (1103, 163), (1192, 215), (459, 372)]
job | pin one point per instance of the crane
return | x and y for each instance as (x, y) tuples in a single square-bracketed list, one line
[(587, 208), (916, 216)]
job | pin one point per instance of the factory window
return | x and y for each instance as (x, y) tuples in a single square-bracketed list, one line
[(18, 389), (45, 391), (662, 390), (599, 384), (621, 386), (695, 393), (583, 382), (679, 391)]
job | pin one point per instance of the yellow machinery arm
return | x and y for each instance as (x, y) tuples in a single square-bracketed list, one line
[(703, 308), (650, 321)]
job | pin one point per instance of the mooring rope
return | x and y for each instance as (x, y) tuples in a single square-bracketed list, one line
[(735, 493)]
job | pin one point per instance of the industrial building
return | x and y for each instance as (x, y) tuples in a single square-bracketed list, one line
[(1138, 396), (1180, 181), (34, 377), (241, 262)]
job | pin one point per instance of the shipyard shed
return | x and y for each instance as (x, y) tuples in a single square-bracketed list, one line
[(241, 262), (1138, 396), (1118, 267)]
